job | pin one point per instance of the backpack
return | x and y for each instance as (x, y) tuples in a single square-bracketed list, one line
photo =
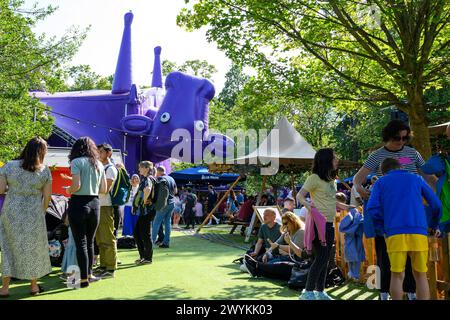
[(299, 274), (121, 190), (160, 194), (126, 243)]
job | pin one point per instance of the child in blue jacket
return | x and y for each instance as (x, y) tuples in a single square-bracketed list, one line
[(354, 254), (396, 207)]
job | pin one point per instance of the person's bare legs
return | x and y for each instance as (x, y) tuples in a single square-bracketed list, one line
[(176, 220), (422, 287), (5, 286), (34, 285), (396, 287)]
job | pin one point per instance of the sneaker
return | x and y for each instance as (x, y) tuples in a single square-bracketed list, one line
[(144, 261), (138, 261), (93, 279), (98, 271), (162, 245), (63, 277), (106, 274), (411, 296), (322, 295), (158, 243), (243, 268), (251, 265), (307, 295), (384, 296)]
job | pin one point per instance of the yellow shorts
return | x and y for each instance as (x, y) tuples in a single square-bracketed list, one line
[(419, 260), (414, 245)]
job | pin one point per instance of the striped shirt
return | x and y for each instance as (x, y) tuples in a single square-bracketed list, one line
[(409, 158)]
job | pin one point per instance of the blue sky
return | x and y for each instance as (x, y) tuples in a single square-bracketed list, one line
[(154, 24)]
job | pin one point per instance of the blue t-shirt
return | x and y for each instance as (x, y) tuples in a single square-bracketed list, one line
[(232, 205)]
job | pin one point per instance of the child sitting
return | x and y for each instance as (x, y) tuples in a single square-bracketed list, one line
[(395, 205)]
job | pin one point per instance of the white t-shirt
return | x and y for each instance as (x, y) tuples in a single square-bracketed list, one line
[(111, 173)]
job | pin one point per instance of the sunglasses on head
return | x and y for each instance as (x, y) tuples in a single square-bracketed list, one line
[(398, 138)]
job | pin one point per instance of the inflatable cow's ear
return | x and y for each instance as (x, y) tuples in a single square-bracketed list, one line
[(123, 75)]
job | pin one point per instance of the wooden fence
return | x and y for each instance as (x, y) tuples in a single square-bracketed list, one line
[(438, 265)]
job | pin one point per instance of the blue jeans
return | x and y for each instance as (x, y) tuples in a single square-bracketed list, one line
[(163, 217), (353, 271)]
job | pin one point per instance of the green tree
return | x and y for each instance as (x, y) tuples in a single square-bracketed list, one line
[(28, 62), (84, 78), (375, 51), (438, 107), (235, 79), (198, 68)]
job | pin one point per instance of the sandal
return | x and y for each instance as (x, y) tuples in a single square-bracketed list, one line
[(35, 293)]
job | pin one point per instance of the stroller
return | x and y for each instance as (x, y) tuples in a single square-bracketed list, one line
[(57, 231)]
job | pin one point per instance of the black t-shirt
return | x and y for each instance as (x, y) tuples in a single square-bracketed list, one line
[(191, 200), (212, 199)]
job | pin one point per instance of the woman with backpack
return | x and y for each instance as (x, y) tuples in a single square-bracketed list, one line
[(141, 205)]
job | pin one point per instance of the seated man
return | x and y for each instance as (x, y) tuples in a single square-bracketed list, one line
[(269, 232)]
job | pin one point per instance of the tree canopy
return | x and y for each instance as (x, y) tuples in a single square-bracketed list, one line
[(28, 63), (199, 68), (378, 52)]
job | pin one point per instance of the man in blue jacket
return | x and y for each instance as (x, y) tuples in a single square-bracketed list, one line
[(396, 207)]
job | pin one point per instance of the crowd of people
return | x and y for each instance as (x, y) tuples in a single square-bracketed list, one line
[(91, 216), (398, 208)]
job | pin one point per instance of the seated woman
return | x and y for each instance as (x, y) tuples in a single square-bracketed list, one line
[(283, 254)]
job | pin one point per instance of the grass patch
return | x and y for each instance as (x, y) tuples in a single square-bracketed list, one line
[(192, 268)]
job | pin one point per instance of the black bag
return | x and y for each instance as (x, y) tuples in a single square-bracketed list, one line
[(299, 274), (126, 243), (160, 194), (334, 277)]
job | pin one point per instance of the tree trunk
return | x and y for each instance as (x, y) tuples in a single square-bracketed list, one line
[(419, 125)]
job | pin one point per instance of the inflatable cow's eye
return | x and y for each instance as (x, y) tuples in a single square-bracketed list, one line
[(199, 125), (165, 117)]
